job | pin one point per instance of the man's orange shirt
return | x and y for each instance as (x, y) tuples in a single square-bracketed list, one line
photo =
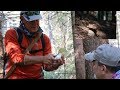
[(16, 56)]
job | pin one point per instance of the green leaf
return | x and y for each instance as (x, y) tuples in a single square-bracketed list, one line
[(63, 51)]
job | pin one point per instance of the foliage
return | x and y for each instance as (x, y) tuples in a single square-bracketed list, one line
[(60, 31)]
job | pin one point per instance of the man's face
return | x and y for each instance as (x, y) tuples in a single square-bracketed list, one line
[(32, 26), (97, 70)]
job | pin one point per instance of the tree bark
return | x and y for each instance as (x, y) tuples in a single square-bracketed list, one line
[(78, 49), (79, 58), (84, 41)]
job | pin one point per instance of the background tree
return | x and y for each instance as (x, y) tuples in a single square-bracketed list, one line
[(114, 16), (78, 50), (60, 26), (86, 40)]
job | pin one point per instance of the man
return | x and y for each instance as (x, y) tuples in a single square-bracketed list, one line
[(32, 63), (106, 61)]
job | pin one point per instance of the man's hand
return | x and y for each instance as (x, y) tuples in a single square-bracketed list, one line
[(55, 64), (48, 59), (58, 62)]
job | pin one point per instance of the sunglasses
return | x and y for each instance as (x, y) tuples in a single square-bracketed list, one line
[(30, 13)]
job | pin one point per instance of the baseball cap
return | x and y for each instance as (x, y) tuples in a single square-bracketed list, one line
[(105, 54), (89, 56), (31, 15)]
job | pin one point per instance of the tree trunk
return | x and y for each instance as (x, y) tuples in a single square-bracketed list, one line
[(113, 16), (78, 49), (79, 58), (100, 15), (50, 29)]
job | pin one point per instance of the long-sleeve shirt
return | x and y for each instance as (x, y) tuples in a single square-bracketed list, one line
[(116, 75), (16, 55)]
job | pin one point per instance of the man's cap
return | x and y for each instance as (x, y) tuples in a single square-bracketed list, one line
[(105, 54), (31, 15), (89, 56)]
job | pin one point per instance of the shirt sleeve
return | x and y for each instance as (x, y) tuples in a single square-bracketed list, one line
[(48, 48), (12, 47)]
